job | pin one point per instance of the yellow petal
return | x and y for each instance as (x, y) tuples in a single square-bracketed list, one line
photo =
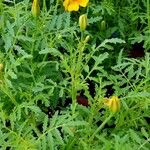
[(73, 6), (83, 3), (66, 3)]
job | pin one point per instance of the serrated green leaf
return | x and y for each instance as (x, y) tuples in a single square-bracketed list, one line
[(57, 135), (50, 141), (45, 123)]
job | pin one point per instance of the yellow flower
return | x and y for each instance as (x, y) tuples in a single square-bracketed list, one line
[(113, 103), (73, 5), (83, 22), (35, 8)]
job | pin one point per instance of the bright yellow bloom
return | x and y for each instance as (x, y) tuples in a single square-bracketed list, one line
[(113, 103), (73, 5), (35, 8)]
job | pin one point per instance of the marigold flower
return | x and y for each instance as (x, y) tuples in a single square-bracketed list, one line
[(113, 103), (35, 8), (73, 5)]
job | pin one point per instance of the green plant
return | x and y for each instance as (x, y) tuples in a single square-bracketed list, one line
[(47, 63)]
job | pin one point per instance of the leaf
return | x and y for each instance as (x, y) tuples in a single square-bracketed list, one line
[(54, 119), (86, 68), (94, 19), (143, 131), (68, 130), (57, 135), (44, 143), (67, 19), (50, 141), (119, 61), (52, 51), (61, 92), (12, 74), (135, 136), (25, 38), (45, 123), (52, 23), (8, 41), (100, 58), (76, 123), (34, 109), (112, 40), (59, 22)]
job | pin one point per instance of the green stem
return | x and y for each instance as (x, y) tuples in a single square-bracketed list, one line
[(101, 126), (44, 6), (73, 91), (148, 13)]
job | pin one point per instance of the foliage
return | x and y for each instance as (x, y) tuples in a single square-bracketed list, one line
[(47, 64)]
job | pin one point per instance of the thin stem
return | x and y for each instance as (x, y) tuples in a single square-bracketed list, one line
[(101, 126), (73, 94), (148, 13), (44, 6)]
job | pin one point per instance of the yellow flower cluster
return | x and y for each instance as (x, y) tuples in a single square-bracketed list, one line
[(73, 5)]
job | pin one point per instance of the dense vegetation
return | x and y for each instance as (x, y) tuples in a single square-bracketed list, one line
[(74, 75)]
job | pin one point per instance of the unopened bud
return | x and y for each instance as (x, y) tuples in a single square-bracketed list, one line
[(87, 39), (113, 103), (83, 22), (35, 8), (1, 67), (103, 25)]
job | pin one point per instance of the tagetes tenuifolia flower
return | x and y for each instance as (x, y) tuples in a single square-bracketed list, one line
[(113, 103), (73, 5), (35, 8)]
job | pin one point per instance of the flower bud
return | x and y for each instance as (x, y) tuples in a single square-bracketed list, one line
[(1, 67), (35, 8), (103, 25), (87, 39), (83, 22), (113, 103)]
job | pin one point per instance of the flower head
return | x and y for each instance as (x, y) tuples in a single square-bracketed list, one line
[(113, 103), (73, 5)]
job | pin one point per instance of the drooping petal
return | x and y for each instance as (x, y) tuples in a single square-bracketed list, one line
[(73, 6), (83, 3)]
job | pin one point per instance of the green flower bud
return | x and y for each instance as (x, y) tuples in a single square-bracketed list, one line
[(1, 67), (83, 22), (103, 25), (87, 39), (35, 8)]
